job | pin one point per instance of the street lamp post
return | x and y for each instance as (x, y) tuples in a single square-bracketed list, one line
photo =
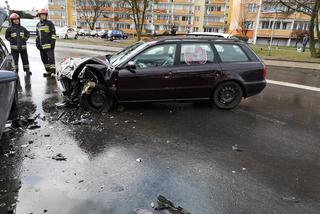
[(257, 23)]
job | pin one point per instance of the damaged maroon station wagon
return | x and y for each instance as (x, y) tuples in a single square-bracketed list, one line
[(180, 68)]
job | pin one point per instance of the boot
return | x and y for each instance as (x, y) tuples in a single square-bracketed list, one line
[(28, 72)]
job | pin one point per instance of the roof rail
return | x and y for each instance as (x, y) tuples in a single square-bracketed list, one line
[(192, 35)]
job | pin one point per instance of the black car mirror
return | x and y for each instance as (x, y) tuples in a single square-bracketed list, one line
[(131, 66)]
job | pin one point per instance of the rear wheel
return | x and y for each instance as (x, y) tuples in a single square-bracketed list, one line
[(227, 95), (97, 101)]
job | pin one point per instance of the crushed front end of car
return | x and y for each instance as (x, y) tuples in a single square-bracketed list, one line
[(87, 81)]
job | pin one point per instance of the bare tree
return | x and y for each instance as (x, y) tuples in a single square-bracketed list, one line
[(310, 8), (138, 13), (91, 10), (243, 18)]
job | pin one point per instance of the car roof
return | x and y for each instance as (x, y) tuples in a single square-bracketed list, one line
[(191, 38)]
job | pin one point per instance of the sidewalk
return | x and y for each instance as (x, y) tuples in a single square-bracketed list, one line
[(85, 47), (306, 65)]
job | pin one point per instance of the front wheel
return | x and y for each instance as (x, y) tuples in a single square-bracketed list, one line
[(227, 95), (97, 101)]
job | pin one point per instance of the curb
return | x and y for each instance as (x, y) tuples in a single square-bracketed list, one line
[(283, 60), (83, 47)]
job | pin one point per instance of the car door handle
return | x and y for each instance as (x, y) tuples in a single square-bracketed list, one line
[(168, 76)]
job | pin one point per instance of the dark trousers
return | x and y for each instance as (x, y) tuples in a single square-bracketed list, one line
[(24, 57), (47, 57)]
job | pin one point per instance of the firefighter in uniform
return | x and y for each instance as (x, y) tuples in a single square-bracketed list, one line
[(17, 35), (45, 41)]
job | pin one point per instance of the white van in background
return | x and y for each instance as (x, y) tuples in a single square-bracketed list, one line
[(30, 25)]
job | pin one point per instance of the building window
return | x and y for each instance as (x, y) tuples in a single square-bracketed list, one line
[(265, 25), (197, 8), (196, 18), (252, 8)]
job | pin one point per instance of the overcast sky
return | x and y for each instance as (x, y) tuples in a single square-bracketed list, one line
[(26, 4)]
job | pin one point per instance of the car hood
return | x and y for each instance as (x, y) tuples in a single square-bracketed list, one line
[(71, 67)]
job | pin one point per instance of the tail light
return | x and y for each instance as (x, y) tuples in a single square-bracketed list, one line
[(264, 72)]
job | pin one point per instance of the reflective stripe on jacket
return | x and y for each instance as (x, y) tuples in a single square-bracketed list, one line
[(17, 35), (46, 35)]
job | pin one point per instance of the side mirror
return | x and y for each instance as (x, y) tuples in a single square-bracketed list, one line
[(131, 66)]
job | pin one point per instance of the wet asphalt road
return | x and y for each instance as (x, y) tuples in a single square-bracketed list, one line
[(186, 153)]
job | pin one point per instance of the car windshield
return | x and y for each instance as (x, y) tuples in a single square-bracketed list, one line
[(126, 53)]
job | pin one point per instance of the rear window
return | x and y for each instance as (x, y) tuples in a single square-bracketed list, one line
[(196, 54), (231, 53)]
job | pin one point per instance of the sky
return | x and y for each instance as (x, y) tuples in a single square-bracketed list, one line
[(26, 4)]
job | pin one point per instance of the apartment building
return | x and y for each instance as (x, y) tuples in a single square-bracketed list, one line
[(63, 12), (187, 15), (272, 22)]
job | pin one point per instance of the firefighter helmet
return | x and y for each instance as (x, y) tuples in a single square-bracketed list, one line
[(43, 11), (14, 16)]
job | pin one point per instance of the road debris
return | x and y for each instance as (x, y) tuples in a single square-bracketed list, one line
[(139, 160), (32, 127), (59, 157), (82, 121), (236, 148), (164, 207), (290, 199), (24, 145), (30, 156)]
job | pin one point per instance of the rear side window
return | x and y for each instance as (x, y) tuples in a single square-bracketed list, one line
[(231, 53), (196, 54)]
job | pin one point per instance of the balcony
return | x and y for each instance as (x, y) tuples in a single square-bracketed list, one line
[(161, 11), (276, 33), (56, 7), (107, 19), (215, 13), (182, 12), (122, 9), (215, 2), (181, 23), (124, 20), (183, 1), (56, 17), (160, 22), (214, 24), (163, 1)]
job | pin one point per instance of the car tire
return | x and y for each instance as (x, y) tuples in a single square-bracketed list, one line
[(76, 37), (97, 101), (227, 95)]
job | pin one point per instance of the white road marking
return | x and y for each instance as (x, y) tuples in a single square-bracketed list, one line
[(293, 85)]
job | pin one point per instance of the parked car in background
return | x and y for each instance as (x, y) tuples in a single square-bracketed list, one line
[(94, 33), (115, 34), (178, 68), (8, 80), (83, 32), (101, 33), (66, 33)]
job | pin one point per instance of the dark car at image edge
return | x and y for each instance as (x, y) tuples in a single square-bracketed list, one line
[(8, 80), (180, 68)]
